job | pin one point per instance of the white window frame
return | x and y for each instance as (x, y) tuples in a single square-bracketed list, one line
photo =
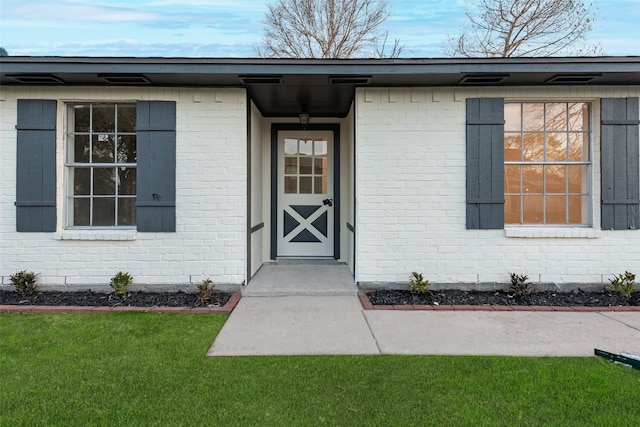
[(70, 165), (589, 163)]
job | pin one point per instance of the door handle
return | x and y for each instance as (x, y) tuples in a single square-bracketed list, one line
[(328, 202)]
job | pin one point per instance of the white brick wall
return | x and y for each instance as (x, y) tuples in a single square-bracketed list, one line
[(410, 172), (210, 237)]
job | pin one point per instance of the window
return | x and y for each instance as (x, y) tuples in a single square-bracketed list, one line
[(305, 166), (547, 166), (101, 165)]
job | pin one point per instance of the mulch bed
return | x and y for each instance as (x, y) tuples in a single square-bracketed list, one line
[(98, 299), (578, 298)]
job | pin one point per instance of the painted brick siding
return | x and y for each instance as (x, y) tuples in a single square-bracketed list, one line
[(210, 237), (410, 174)]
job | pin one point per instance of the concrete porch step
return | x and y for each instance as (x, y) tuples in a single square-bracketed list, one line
[(301, 278)]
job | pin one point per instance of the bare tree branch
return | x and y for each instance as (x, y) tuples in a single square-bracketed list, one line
[(505, 28), (326, 29)]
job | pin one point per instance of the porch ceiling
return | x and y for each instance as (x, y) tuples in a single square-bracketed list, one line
[(287, 87)]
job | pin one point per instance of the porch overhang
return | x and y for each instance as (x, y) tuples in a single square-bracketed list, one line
[(322, 88)]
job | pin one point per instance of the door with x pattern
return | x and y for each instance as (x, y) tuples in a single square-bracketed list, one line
[(305, 202)]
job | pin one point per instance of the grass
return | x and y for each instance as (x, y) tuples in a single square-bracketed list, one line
[(148, 369)]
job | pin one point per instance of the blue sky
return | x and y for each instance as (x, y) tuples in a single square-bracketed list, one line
[(233, 28)]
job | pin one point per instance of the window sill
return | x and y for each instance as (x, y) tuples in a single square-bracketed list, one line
[(551, 232), (115, 235)]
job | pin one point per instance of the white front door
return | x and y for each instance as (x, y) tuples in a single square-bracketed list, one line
[(305, 214)]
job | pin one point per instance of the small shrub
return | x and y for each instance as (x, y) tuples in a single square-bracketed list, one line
[(24, 282), (120, 282), (204, 288), (622, 284), (519, 285), (418, 284)]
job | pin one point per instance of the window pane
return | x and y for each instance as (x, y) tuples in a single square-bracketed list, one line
[(512, 147), (306, 147), (320, 185), (78, 148), (104, 118), (512, 118), (532, 179), (291, 165), (103, 148), (104, 211), (81, 212), (578, 143), (127, 149), (290, 184), (578, 210), (127, 211), (533, 117), (556, 117), (578, 116), (533, 147), (320, 148), (305, 165), (126, 118), (512, 179), (290, 146), (80, 117), (557, 147), (104, 181), (512, 209), (320, 166), (305, 185), (555, 179), (127, 181), (532, 209), (556, 210), (81, 181), (578, 179)]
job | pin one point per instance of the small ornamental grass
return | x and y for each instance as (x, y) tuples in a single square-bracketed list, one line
[(24, 282), (623, 284), (418, 284), (519, 286), (120, 282), (205, 289)]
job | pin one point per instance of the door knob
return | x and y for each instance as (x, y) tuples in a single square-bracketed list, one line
[(327, 202)]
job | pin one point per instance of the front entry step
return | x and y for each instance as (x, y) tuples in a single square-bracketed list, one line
[(306, 261), (292, 279)]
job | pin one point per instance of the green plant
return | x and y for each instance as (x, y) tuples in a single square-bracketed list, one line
[(205, 288), (519, 285), (120, 282), (622, 284), (24, 282), (418, 284)]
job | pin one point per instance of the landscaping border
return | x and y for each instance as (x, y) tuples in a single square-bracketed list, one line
[(367, 305), (227, 308)]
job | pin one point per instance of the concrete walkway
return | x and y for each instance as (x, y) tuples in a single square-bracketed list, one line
[(276, 318)]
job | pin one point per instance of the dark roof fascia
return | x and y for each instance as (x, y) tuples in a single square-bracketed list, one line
[(10, 64)]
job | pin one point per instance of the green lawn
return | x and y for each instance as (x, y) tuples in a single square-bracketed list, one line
[(143, 369)]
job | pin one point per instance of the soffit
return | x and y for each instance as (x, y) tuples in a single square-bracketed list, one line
[(285, 87)]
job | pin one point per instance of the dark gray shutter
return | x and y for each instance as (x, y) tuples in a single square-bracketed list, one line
[(485, 163), (156, 175), (36, 165), (620, 207)]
